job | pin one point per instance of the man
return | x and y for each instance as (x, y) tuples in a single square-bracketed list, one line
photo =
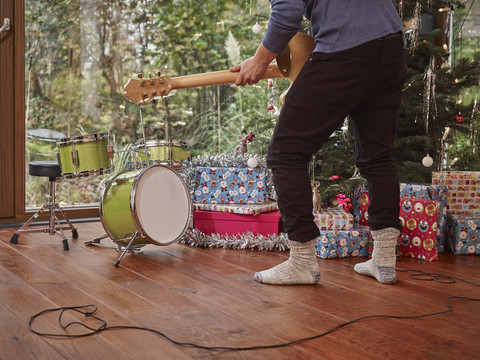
[(358, 68)]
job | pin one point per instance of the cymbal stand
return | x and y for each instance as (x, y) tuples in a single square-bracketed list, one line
[(144, 138)]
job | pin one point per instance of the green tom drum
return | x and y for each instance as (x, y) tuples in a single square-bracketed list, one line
[(85, 155), (164, 152)]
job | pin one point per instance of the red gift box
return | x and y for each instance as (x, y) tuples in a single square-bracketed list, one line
[(210, 222), (419, 234)]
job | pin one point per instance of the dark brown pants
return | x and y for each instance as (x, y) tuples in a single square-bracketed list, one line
[(364, 82)]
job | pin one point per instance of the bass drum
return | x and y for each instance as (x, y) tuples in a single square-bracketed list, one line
[(152, 204)]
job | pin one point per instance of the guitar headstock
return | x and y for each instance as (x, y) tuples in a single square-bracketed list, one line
[(149, 89)]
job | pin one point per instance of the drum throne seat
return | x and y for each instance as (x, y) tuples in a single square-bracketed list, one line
[(53, 171)]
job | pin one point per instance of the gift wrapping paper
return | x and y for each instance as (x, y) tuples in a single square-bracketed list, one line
[(248, 209), (229, 185), (413, 191), (463, 234), (463, 190), (360, 205), (430, 192), (332, 244), (334, 219), (212, 222), (419, 233)]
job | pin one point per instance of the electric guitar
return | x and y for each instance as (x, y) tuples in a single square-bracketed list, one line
[(288, 65)]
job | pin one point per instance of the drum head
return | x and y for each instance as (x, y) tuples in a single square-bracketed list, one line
[(161, 204)]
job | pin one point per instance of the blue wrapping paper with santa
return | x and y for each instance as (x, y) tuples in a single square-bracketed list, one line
[(229, 185)]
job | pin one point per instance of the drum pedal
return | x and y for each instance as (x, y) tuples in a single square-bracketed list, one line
[(96, 240)]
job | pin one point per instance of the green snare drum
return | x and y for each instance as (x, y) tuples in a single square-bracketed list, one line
[(152, 205), (85, 155), (165, 152)]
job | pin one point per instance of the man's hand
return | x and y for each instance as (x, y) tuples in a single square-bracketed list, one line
[(251, 70)]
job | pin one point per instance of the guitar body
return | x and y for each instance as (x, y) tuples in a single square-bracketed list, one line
[(288, 65)]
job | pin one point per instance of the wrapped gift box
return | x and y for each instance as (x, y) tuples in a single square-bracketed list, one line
[(463, 190), (223, 223), (249, 209), (333, 244), (334, 219), (431, 192), (419, 233), (222, 185), (463, 234), (360, 205), (413, 191)]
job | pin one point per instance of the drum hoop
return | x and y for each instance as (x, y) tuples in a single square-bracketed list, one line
[(150, 143), (83, 139), (86, 173), (135, 213)]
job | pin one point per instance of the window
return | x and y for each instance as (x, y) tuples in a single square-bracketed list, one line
[(80, 53)]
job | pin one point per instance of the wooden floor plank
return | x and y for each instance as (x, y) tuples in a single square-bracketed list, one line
[(181, 314), (209, 296)]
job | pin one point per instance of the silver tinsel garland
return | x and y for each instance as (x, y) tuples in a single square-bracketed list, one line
[(248, 240), (194, 237)]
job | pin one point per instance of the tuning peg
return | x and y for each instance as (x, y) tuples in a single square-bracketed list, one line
[(140, 76), (152, 81)]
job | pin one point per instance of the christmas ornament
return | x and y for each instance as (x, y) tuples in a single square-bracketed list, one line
[(427, 161), (459, 119), (257, 28), (345, 202), (252, 162)]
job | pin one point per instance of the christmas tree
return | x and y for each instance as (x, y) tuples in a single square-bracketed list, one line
[(438, 121)]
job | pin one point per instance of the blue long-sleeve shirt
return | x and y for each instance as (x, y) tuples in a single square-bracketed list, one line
[(336, 24)]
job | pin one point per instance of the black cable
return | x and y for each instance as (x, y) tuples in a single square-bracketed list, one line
[(443, 279), (418, 275)]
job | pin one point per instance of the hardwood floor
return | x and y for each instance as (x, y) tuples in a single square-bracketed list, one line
[(209, 297)]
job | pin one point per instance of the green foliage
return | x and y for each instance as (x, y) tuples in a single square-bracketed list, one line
[(79, 54)]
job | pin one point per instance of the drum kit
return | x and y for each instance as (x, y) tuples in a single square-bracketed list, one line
[(148, 204)]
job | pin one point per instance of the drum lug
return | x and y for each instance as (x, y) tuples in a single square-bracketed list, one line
[(110, 151), (75, 157)]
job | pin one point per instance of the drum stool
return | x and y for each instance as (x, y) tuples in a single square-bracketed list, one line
[(52, 170)]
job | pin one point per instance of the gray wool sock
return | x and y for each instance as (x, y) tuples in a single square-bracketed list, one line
[(300, 268), (382, 264)]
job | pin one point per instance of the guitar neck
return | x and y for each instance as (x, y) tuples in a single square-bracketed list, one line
[(218, 77)]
